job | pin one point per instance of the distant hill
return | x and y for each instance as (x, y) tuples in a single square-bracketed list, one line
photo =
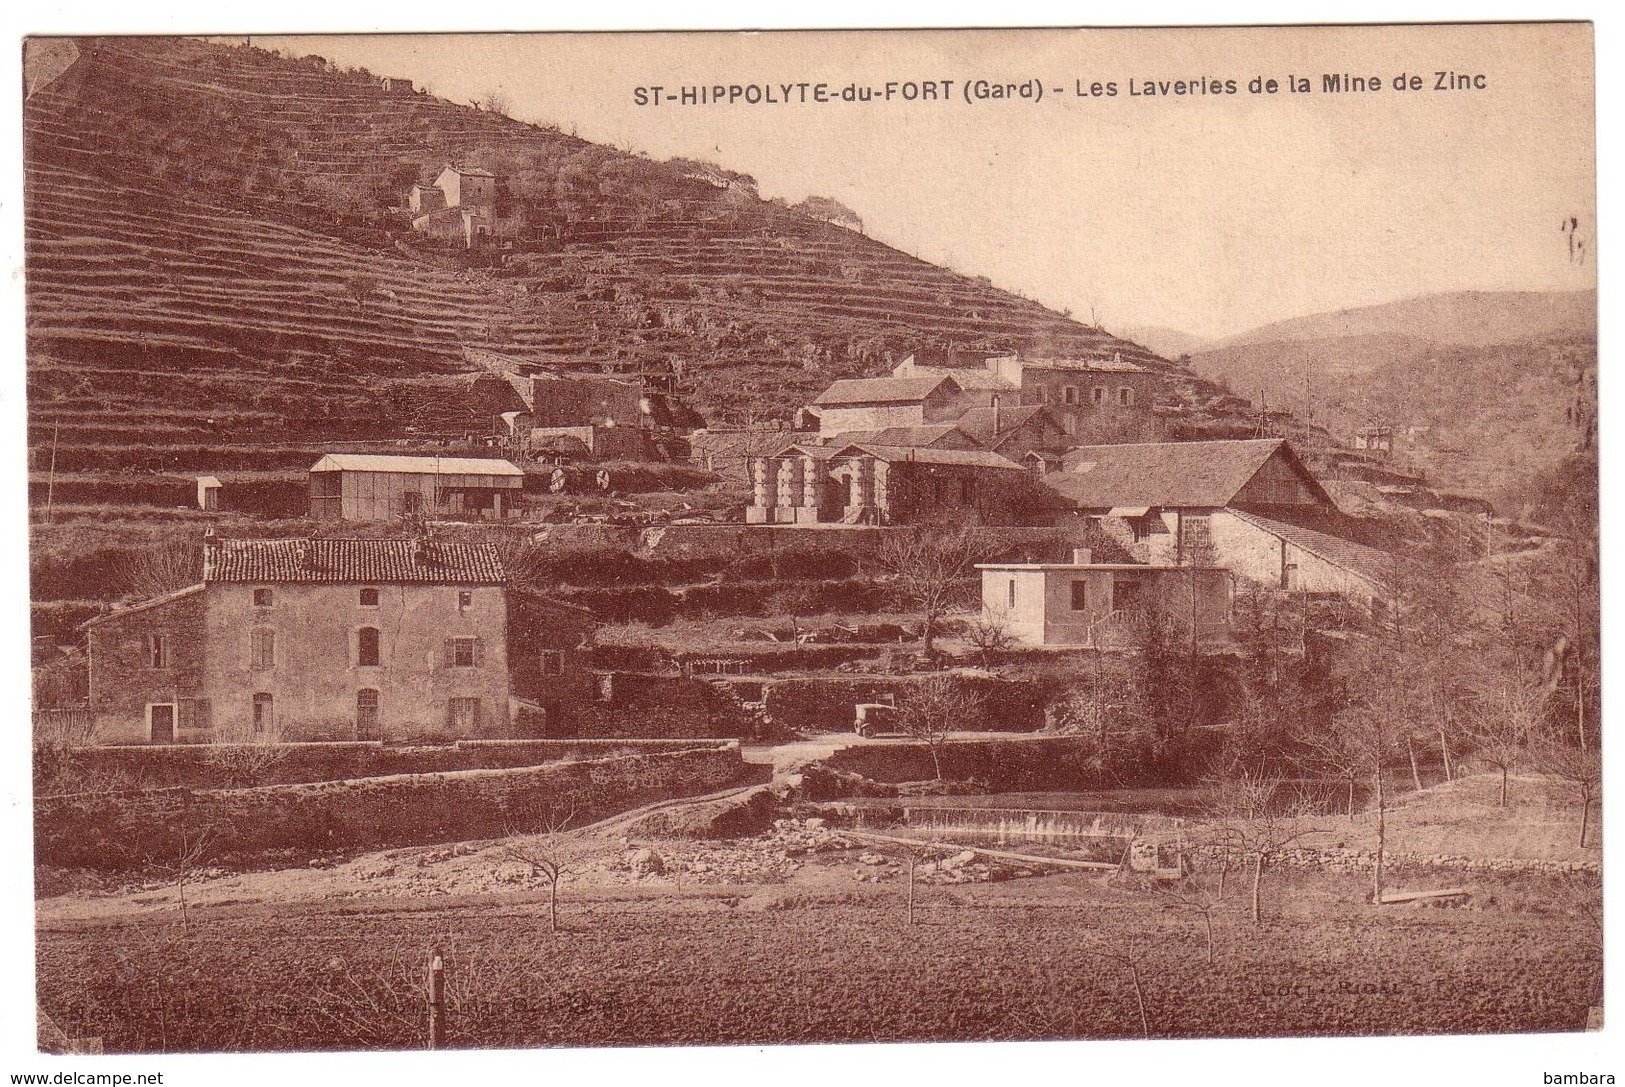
[(1482, 388), (1170, 343), (1462, 319), (221, 270)]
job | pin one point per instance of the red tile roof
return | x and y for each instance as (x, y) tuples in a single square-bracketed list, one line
[(354, 561)]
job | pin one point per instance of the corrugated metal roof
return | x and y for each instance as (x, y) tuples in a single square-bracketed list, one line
[(880, 390), (354, 561), (1367, 563), (442, 466), (1166, 474)]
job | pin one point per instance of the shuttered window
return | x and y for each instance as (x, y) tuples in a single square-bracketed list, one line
[(463, 714), (262, 648), (158, 650)]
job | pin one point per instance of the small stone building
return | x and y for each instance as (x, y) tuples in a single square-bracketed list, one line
[(1104, 605), (874, 403), (459, 207)]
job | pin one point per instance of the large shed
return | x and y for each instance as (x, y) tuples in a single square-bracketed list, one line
[(376, 487)]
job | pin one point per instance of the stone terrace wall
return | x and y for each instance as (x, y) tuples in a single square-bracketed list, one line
[(207, 766), (154, 827)]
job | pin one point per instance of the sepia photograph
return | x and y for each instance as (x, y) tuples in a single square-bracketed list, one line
[(566, 540)]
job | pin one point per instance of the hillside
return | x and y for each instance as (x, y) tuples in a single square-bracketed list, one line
[(218, 260), (1484, 390)]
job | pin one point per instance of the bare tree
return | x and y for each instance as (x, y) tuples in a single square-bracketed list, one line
[(989, 631), (1577, 767), (181, 859), (929, 711), (1201, 894), (1512, 717), (1253, 823), (174, 564), (931, 570), (545, 855), (1106, 705)]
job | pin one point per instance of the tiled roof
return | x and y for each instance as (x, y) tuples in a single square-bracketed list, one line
[(920, 436), (967, 377), (913, 455), (441, 466), (1366, 563), (143, 605), (978, 422), (1165, 474), (879, 390), (354, 561)]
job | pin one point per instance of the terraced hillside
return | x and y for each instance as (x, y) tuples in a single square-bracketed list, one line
[(220, 276)]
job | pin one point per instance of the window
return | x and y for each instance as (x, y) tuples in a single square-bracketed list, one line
[(1043, 394), (463, 653), (1097, 395), (262, 598), (366, 714), (1069, 394), (1080, 595), (1012, 592), (552, 662), (369, 598), (1125, 396), (463, 714), (262, 648), (262, 714), (367, 647), (967, 492), (158, 650), (465, 599), (412, 501)]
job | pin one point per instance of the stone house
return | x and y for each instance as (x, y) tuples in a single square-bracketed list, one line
[(1092, 399), (1249, 506), (1104, 605), (458, 207), (316, 639), (878, 402)]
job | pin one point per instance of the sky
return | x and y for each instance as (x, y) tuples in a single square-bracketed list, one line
[(1206, 213)]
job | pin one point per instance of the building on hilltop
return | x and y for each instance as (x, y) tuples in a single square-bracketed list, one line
[(1083, 603), (1241, 505), (458, 207), (377, 487)]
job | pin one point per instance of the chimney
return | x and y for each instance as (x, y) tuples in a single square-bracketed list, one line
[(420, 551), (211, 552), (1082, 556)]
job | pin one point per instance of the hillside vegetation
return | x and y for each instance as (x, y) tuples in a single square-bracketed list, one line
[(1484, 390), (218, 256)]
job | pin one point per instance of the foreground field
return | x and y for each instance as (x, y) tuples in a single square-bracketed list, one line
[(821, 956)]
